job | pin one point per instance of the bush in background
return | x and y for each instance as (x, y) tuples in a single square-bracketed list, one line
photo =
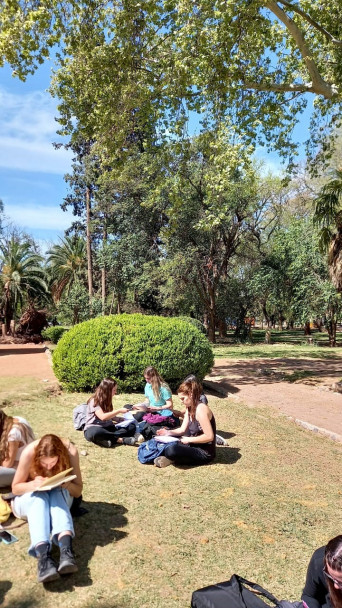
[(123, 345), (53, 334)]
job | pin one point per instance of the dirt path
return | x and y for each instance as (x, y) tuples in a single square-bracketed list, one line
[(25, 360), (262, 382), (255, 382)]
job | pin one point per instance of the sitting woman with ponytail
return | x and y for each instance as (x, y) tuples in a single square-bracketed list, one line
[(15, 434), (323, 587), (197, 432)]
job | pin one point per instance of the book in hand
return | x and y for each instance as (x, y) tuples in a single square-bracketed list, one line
[(56, 480)]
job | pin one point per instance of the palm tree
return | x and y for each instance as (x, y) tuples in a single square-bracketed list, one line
[(66, 263), (22, 277), (328, 216)]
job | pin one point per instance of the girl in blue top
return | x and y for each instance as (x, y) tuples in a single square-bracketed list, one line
[(158, 394)]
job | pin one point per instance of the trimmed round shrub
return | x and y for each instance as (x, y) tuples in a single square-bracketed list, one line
[(54, 333), (196, 323), (122, 346)]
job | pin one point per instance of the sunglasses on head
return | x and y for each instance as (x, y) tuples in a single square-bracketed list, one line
[(337, 583)]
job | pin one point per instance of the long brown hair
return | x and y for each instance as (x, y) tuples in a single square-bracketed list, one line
[(104, 394), (49, 446), (156, 381), (6, 423), (333, 559), (192, 388)]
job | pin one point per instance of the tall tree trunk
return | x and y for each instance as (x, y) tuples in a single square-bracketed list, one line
[(103, 273), (222, 327), (89, 258), (307, 328)]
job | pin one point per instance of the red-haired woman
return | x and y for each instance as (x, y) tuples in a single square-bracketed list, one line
[(15, 434), (323, 587), (99, 427), (48, 512), (197, 432)]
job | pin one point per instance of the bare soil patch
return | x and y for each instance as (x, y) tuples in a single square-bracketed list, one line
[(17, 360), (270, 382)]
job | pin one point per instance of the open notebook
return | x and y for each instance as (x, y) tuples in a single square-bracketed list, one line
[(56, 480)]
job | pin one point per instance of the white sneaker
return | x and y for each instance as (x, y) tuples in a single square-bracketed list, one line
[(139, 438), (221, 440)]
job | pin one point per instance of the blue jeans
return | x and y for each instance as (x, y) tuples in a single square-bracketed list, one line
[(47, 513)]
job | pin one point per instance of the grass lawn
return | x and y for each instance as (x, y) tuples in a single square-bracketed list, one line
[(152, 536), (284, 344)]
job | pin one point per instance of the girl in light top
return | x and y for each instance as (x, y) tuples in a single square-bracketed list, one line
[(158, 394), (100, 425), (15, 434), (48, 512)]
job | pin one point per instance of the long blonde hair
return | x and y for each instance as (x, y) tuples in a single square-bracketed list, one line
[(156, 381), (6, 424)]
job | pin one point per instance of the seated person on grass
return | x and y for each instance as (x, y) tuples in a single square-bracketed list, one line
[(323, 586), (48, 512), (100, 427), (197, 432), (15, 434)]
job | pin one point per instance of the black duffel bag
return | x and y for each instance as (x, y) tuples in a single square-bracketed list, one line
[(235, 594)]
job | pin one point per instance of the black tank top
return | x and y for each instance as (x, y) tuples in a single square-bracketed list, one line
[(195, 429)]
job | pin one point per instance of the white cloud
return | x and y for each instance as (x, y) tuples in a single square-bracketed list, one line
[(28, 128), (40, 217)]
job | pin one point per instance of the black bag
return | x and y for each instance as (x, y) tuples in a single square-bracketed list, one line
[(235, 594)]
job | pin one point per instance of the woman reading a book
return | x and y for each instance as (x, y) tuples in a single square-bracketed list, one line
[(100, 427), (48, 511), (197, 432), (15, 434)]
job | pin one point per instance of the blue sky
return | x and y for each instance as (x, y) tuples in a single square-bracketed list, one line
[(31, 170)]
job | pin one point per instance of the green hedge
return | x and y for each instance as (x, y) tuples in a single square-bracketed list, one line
[(123, 345), (54, 333)]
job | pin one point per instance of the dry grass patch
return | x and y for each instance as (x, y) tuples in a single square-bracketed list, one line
[(152, 536)]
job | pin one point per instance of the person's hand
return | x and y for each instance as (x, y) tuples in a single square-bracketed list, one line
[(185, 440), (37, 482), (163, 431), (123, 410)]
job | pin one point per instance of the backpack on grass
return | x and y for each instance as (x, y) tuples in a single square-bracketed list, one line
[(79, 416), (237, 593)]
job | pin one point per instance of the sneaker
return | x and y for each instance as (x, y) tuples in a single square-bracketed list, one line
[(162, 461), (105, 443), (67, 563), (128, 440), (139, 438), (47, 569), (220, 440)]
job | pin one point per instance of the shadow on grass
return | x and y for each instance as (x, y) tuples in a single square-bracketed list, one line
[(97, 528), (4, 587), (227, 455)]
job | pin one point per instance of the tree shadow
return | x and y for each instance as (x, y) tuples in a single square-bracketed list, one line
[(4, 587), (97, 528)]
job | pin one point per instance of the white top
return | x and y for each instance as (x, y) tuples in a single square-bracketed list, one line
[(15, 434)]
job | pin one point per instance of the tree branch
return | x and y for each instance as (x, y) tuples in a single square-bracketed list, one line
[(318, 85), (299, 11)]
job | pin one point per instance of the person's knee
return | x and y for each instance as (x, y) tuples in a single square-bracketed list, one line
[(171, 451)]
